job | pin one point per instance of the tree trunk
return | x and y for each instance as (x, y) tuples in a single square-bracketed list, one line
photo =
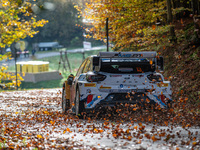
[(169, 12), (174, 4), (195, 7), (169, 21)]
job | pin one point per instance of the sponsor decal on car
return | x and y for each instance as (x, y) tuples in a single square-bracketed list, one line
[(129, 55), (92, 102), (162, 84), (88, 91), (104, 87), (115, 75), (124, 55), (90, 84), (123, 90), (138, 76), (159, 100)]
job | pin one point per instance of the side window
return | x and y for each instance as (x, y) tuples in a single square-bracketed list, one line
[(90, 67), (81, 68), (87, 65)]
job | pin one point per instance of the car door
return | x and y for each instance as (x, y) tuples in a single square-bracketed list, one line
[(74, 83), (87, 66)]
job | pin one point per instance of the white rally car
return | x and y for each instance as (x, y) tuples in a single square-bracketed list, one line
[(110, 78)]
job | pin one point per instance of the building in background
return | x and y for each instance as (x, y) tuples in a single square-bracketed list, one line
[(46, 46)]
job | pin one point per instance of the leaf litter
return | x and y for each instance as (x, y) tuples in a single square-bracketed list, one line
[(33, 119)]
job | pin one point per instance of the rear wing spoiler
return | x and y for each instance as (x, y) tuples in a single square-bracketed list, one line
[(127, 54), (159, 60)]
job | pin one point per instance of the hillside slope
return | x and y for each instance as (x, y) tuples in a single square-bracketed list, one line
[(182, 62)]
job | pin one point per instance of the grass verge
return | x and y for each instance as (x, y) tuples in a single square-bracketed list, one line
[(75, 60)]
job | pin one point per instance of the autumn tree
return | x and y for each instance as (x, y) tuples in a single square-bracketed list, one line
[(17, 21), (133, 25)]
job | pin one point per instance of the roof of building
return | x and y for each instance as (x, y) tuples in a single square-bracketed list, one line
[(48, 44)]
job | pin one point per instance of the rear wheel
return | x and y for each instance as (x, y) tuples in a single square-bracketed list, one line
[(79, 106), (65, 102)]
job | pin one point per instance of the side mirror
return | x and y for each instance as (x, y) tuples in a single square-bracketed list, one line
[(160, 63), (70, 79)]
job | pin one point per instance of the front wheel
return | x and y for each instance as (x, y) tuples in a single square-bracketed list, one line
[(79, 106), (65, 102)]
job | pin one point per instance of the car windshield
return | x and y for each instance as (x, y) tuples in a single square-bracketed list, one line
[(123, 65)]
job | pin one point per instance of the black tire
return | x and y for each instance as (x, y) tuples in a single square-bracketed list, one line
[(65, 102), (79, 106)]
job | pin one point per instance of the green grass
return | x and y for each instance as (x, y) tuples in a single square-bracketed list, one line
[(42, 84), (75, 60)]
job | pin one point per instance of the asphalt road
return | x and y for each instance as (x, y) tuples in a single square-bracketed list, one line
[(33, 119), (47, 54)]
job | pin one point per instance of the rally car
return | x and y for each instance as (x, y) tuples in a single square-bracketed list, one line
[(110, 78)]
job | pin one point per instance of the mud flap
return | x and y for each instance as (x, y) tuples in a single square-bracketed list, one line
[(67, 90)]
